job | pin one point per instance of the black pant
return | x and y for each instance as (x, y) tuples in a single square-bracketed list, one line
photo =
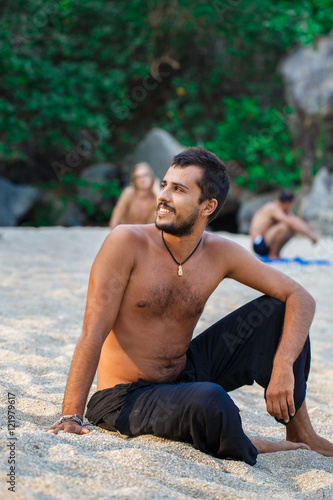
[(236, 351)]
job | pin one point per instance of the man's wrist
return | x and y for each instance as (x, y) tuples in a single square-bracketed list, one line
[(70, 418), (283, 361)]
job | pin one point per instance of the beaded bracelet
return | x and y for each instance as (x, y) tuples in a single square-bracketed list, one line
[(70, 418)]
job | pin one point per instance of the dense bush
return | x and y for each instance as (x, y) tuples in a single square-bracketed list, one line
[(258, 142), (82, 80)]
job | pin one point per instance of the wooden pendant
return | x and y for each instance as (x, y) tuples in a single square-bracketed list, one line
[(180, 271)]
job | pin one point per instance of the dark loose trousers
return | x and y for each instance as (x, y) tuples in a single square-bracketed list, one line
[(236, 351)]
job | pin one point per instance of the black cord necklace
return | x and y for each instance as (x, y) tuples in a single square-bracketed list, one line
[(180, 269)]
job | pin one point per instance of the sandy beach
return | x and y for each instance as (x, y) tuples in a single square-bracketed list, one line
[(43, 277)]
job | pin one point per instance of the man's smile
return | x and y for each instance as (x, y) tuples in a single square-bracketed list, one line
[(164, 209)]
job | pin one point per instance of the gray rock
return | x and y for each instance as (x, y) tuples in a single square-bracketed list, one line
[(72, 216), (59, 212), (15, 201), (308, 74), (100, 172), (325, 219), (249, 207), (157, 148), (96, 174), (314, 203)]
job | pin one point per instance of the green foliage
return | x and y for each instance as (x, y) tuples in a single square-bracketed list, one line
[(256, 143), (47, 214), (65, 69), (82, 80)]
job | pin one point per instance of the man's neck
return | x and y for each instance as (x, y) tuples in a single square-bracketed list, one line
[(183, 244)]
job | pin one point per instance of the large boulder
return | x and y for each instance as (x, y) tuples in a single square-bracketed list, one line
[(53, 210), (71, 216), (15, 202), (93, 180), (308, 77), (314, 203), (308, 74), (326, 215), (317, 206), (157, 148)]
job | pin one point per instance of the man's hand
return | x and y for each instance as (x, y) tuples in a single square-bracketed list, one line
[(70, 426), (314, 237), (280, 394)]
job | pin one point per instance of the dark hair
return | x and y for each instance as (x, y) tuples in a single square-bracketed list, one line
[(214, 182), (286, 196)]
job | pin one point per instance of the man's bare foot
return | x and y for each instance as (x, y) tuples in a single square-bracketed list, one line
[(273, 446), (300, 429), (317, 444)]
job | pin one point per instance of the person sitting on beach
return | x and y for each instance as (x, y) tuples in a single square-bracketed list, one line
[(147, 290), (137, 203), (273, 225)]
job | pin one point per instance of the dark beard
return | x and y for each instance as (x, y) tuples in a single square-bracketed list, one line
[(183, 229)]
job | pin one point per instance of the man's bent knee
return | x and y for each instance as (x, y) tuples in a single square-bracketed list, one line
[(213, 401)]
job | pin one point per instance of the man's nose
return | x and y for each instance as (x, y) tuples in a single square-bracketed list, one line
[(164, 194)]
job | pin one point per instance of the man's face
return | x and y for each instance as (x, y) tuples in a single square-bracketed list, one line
[(287, 206), (142, 178), (178, 205)]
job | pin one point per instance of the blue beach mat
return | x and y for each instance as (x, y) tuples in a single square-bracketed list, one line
[(295, 260)]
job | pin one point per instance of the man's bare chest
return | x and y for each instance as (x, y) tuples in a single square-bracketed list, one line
[(154, 292)]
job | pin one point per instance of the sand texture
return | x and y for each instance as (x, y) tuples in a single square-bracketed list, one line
[(43, 278)]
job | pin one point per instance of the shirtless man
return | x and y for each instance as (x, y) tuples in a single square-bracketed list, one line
[(137, 203), (147, 289), (274, 225)]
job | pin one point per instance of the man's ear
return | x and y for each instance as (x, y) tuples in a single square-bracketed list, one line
[(209, 206)]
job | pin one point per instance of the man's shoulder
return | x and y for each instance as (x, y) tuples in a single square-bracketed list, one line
[(128, 192), (122, 243), (131, 233), (226, 253), (217, 241), (269, 205), (278, 213), (268, 209)]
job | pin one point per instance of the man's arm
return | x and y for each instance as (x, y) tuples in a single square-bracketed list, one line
[(300, 308), (295, 223), (109, 276), (119, 212)]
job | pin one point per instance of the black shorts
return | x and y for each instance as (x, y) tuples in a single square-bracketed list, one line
[(260, 247)]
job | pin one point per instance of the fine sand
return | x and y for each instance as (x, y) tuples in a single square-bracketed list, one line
[(43, 276)]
